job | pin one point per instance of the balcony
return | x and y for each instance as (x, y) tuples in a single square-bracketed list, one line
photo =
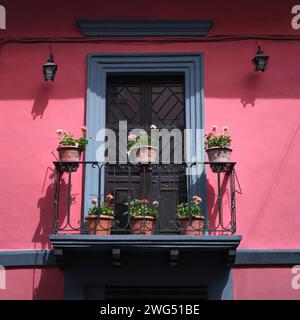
[(165, 256), (169, 184)]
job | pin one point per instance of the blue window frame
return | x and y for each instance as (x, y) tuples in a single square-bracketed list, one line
[(189, 64)]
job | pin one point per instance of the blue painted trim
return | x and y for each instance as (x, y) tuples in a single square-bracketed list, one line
[(160, 242), (45, 258), (141, 28), (102, 64), (267, 257), (227, 293), (27, 258)]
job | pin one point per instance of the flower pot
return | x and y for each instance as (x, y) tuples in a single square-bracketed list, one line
[(143, 154), (69, 153), (99, 224), (142, 225), (218, 155), (191, 226)]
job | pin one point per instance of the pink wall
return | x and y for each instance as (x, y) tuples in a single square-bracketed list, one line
[(264, 284), (261, 110), (33, 284)]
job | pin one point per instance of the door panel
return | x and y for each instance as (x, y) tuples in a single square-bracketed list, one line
[(142, 101)]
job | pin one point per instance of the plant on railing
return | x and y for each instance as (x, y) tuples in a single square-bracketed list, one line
[(106, 208), (141, 138), (212, 139), (192, 209), (70, 148), (142, 216), (67, 139), (100, 216), (142, 146), (190, 216), (142, 207), (218, 147)]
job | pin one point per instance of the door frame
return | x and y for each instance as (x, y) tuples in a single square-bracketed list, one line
[(99, 65)]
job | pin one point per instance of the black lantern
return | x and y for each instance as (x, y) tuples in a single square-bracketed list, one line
[(49, 69), (260, 61)]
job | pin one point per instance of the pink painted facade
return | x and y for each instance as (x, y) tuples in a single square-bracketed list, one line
[(261, 110), (33, 284)]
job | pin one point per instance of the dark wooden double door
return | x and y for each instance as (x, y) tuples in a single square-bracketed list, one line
[(142, 101)]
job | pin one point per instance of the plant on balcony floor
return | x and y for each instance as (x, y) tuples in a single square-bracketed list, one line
[(142, 148), (142, 216), (218, 147), (100, 216), (70, 148), (190, 217)]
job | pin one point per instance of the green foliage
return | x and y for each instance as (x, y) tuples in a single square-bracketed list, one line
[(190, 209), (138, 207), (67, 139), (102, 209), (82, 143), (106, 208), (140, 140), (213, 139)]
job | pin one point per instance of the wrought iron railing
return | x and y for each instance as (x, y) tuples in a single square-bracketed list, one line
[(169, 184)]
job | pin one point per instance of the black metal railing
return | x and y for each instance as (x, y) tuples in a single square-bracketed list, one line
[(169, 184)]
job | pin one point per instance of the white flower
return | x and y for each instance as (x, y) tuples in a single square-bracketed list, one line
[(131, 137), (153, 127)]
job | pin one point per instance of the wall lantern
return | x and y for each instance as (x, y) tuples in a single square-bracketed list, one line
[(49, 69), (260, 61)]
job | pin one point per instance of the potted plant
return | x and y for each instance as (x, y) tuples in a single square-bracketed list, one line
[(142, 147), (100, 216), (218, 145), (190, 217), (142, 216), (218, 148), (70, 148)]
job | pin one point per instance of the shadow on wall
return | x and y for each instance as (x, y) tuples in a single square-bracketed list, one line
[(50, 286), (45, 205), (250, 84), (212, 198), (41, 100)]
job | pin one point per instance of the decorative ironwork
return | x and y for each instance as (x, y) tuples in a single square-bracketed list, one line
[(215, 220)]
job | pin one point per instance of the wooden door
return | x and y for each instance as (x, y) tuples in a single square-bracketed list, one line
[(143, 101)]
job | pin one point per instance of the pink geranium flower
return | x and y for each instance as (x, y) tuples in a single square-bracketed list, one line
[(109, 196), (144, 201), (197, 199)]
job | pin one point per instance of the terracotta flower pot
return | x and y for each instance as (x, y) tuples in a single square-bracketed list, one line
[(216, 154), (191, 226), (99, 225), (142, 225), (69, 153), (143, 154)]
